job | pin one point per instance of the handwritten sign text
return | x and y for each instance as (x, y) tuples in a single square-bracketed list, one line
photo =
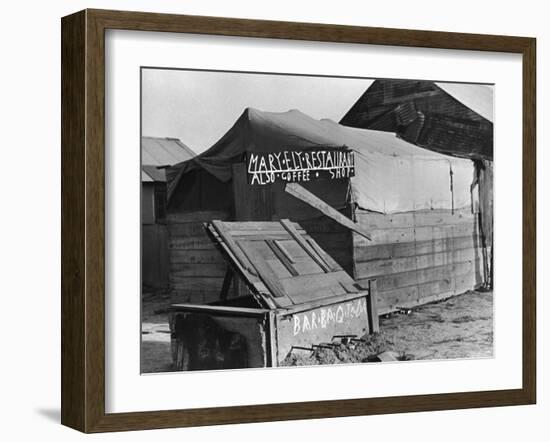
[(297, 166), (330, 315)]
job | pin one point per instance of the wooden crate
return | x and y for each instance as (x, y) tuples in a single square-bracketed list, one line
[(300, 297)]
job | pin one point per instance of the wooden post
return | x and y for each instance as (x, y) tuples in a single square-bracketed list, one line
[(226, 283), (180, 352), (372, 308), (271, 337)]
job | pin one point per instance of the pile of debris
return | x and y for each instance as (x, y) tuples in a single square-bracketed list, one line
[(376, 347)]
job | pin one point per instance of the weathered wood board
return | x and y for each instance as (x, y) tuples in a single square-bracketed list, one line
[(197, 268), (293, 267), (418, 257), (319, 325)]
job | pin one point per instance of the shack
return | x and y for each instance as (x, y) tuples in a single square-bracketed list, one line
[(417, 205), (157, 153), (452, 118)]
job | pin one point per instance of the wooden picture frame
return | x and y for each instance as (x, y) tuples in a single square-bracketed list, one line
[(83, 220)]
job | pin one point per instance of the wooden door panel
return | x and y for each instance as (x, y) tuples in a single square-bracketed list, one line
[(282, 261)]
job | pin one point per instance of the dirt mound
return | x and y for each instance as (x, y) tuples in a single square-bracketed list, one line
[(346, 352)]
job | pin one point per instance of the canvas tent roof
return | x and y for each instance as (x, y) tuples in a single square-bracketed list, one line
[(391, 174)]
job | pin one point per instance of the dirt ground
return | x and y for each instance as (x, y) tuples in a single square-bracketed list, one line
[(456, 328), (156, 354), (459, 327)]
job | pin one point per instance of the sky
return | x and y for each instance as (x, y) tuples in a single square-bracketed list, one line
[(199, 107)]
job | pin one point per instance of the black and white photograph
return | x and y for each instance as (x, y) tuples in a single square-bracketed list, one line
[(275, 221), (299, 220)]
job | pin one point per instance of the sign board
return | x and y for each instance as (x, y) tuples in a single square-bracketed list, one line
[(320, 325), (299, 166)]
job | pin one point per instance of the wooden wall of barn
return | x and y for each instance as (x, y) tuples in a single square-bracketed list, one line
[(197, 268), (154, 242), (420, 112), (419, 257), (154, 256)]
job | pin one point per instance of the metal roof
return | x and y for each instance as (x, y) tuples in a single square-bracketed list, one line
[(163, 151), (152, 174), (146, 178), (158, 152), (477, 97)]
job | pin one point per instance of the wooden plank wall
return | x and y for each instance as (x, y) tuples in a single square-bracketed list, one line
[(335, 239), (154, 256), (197, 268), (418, 257)]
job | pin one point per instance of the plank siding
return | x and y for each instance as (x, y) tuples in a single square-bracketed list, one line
[(400, 250), (411, 234), (415, 277), (415, 257), (422, 218), (337, 244), (399, 265), (411, 296), (418, 257), (197, 268), (155, 265)]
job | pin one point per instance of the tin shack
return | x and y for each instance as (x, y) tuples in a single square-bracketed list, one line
[(417, 206), (157, 153)]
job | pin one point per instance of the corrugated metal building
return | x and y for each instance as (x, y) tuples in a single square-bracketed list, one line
[(156, 154)]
